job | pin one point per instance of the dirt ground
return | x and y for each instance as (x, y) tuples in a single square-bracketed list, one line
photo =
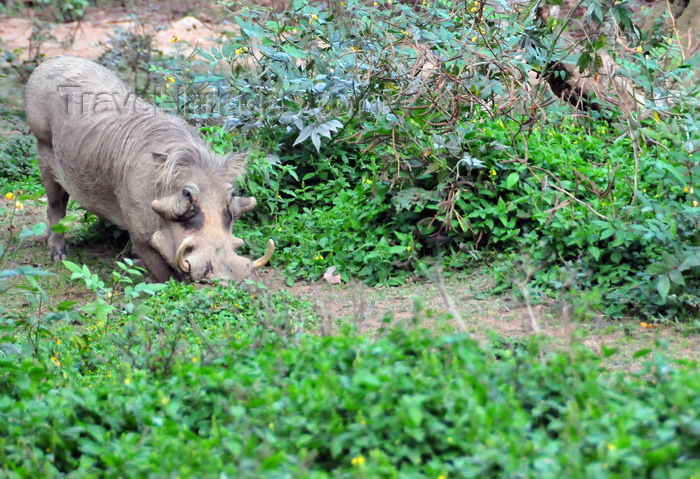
[(464, 295), (89, 37)]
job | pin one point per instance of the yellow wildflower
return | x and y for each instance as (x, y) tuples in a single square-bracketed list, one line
[(695, 203), (493, 172), (127, 381), (686, 189), (10, 196), (611, 447), (639, 49), (174, 39), (358, 460), (19, 206), (55, 360), (408, 248)]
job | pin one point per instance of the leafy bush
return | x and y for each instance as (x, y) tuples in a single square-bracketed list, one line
[(65, 10), (481, 165), (17, 158)]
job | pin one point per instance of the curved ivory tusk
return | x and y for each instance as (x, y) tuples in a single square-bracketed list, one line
[(180, 255), (260, 262)]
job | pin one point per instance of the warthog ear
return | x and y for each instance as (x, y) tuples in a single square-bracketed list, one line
[(235, 164), (159, 157), (176, 207), (237, 205)]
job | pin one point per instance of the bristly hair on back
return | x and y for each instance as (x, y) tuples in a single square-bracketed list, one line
[(174, 147)]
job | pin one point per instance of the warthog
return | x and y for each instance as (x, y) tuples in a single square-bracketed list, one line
[(145, 171)]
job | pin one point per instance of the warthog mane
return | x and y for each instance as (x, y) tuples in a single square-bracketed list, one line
[(173, 146)]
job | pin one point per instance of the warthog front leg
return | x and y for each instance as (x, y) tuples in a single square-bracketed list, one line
[(57, 201), (158, 270)]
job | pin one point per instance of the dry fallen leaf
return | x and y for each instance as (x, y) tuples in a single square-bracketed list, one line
[(330, 277)]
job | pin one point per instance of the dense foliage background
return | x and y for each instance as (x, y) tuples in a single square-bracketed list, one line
[(385, 136)]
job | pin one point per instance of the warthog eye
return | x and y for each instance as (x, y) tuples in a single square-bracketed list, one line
[(186, 193)]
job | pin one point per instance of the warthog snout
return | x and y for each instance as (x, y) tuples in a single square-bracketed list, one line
[(203, 263)]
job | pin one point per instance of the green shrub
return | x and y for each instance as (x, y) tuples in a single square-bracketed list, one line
[(17, 159), (405, 405), (479, 167)]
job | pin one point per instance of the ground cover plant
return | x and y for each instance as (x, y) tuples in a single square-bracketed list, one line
[(235, 374)]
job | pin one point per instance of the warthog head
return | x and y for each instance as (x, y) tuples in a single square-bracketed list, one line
[(196, 240)]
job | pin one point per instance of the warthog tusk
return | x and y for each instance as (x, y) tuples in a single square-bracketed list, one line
[(259, 263), (180, 256)]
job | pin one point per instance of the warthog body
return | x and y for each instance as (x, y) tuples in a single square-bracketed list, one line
[(147, 172)]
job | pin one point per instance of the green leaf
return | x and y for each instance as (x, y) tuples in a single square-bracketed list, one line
[(66, 305), (36, 230), (365, 378), (607, 233), (293, 51), (663, 286), (657, 268), (595, 252), (24, 271), (72, 267), (206, 55), (616, 257), (641, 352), (415, 415), (676, 277), (512, 180)]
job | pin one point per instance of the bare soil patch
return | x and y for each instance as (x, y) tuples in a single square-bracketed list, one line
[(89, 37)]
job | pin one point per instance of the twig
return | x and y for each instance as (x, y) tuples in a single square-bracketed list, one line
[(451, 308)]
